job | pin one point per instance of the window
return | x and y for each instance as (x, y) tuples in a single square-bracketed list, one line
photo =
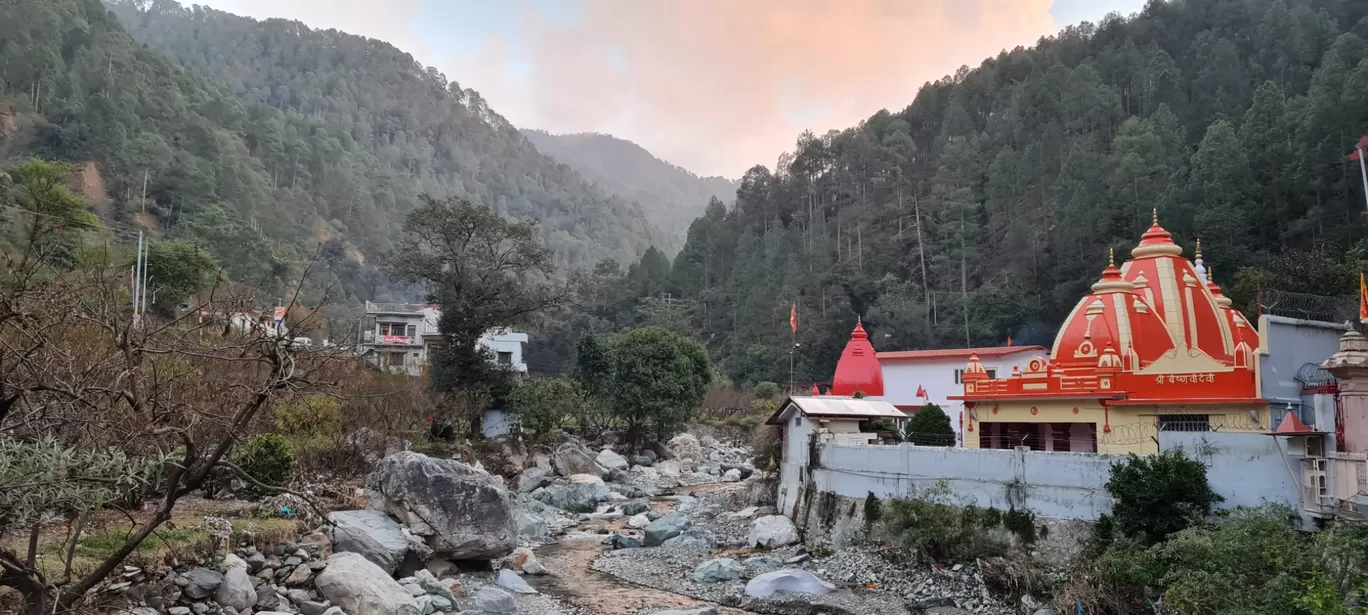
[(1184, 422), (992, 374), (393, 328), (505, 358), (396, 359)]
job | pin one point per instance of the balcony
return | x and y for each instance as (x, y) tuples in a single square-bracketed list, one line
[(372, 338)]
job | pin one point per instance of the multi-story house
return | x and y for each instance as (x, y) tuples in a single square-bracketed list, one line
[(400, 336)]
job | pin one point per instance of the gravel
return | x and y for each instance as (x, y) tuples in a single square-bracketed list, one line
[(528, 604)]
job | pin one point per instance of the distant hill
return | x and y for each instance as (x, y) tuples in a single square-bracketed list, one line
[(671, 196)]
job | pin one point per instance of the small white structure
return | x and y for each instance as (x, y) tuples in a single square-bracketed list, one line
[(833, 418), (937, 374), (401, 336)]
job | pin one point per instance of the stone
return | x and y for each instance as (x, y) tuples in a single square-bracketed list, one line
[(202, 583), (359, 587), (236, 590), (744, 471), (301, 575), (256, 561), (533, 478), (717, 571), (633, 508), (692, 538), (434, 604), (233, 561), (333, 610), (701, 611), (763, 561), (619, 541), (585, 479), (574, 458), (787, 582), (611, 460), (462, 513), (582, 498), (525, 561), (267, 599), (143, 610), (199, 608), (429, 583), (371, 534), (685, 446), (440, 567), (495, 601), (530, 525), (1045, 611), (665, 528), (310, 607), (510, 581), (316, 544), (413, 589), (670, 468), (643, 460), (297, 595), (731, 476), (457, 589), (638, 522), (773, 531)]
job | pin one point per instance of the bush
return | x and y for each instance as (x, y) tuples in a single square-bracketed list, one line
[(935, 529), (768, 445), (268, 459), (546, 404), (873, 509), (766, 390), (1157, 495), (308, 417), (930, 426)]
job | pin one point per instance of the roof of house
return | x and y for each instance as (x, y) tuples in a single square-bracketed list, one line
[(836, 407), (956, 353)]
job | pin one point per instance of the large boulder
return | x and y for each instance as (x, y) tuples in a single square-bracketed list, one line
[(787, 582), (692, 538), (685, 446), (581, 498), (574, 458), (493, 601), (371, 534), (772, 531), (717, 571), (201, 583), (236, 590), (359, 587), (610, 460), (533, 478), (511, 581), (462, 513), (665, 528), (531, 525)]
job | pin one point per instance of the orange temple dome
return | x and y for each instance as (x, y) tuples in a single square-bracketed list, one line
[(1113, 322), (858, 369)]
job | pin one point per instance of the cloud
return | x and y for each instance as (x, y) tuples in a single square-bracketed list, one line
[(715, 85)]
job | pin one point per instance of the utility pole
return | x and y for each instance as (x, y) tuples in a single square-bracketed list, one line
[(144, 194), (1361, 150)]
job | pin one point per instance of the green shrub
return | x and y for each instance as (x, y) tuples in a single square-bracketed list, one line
[(545, 405), (1157, 495), (1022, 524), (766, 390), (308, 417), (873, 508), (267, 458), (933, 528)]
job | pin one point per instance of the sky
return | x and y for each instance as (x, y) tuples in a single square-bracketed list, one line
[(715, 86)]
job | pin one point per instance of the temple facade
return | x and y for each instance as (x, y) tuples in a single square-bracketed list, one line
[(1155, 346)]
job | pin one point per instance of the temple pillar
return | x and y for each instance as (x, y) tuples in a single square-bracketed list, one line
[(1350, 367)]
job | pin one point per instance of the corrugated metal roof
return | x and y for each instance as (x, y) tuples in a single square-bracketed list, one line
[(838, 407), (957, 353)]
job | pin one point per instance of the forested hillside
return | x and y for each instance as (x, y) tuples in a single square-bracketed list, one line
[(278, 140), (671, 196), (986, 207)]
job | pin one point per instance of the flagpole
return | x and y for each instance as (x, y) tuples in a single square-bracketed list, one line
[(1363, 168)]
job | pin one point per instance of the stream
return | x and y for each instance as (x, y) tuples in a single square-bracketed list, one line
[(575, 583)]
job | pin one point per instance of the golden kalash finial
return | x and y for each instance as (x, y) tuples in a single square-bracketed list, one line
[(1199, 247), (1111, 257), (1156, 215)]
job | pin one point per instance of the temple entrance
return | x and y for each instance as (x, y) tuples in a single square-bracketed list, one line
[(1054, 437)]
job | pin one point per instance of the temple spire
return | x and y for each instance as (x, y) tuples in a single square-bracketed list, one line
[(1197, 263), (1111, 257), (1156, 215)]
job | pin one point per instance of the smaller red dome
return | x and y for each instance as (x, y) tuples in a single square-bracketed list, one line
[(1112, 329), (1156, 242), (858, 369)]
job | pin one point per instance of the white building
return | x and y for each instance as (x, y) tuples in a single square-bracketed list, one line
[(937, 373), (400, 336)]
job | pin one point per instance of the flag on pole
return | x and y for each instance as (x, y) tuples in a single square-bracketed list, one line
[(1009, 340), (921, 392), (793, 317), (1363, 300), (1359, 149)]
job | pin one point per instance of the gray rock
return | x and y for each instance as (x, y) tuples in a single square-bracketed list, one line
[(462, 512), (433, 604), (267, 599), (332, 610), (525, 561), (236, 590), (297, 596), (611, 460), (495, 601), (574, 458), (413, 589), (309, 607), (633, 508), (763, 561), (202, 583), (530, 525), (619, 541), (665, 528), (440, 568), (731, 476), (773, 531), (581, 498), (371, 534), (787, 582), (1045, 611), (178, 610), (231, 560), (301, 575), (533, 478), (717, 571), (199, 608), (255, 561), (143, 610), (359, 587), (701, 611), (693, 538), (510, 581), (643, 460)]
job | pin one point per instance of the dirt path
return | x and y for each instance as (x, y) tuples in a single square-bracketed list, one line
[(573, 581)]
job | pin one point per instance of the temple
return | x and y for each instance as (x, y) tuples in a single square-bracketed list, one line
[(858, 373), (1155, 346)]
